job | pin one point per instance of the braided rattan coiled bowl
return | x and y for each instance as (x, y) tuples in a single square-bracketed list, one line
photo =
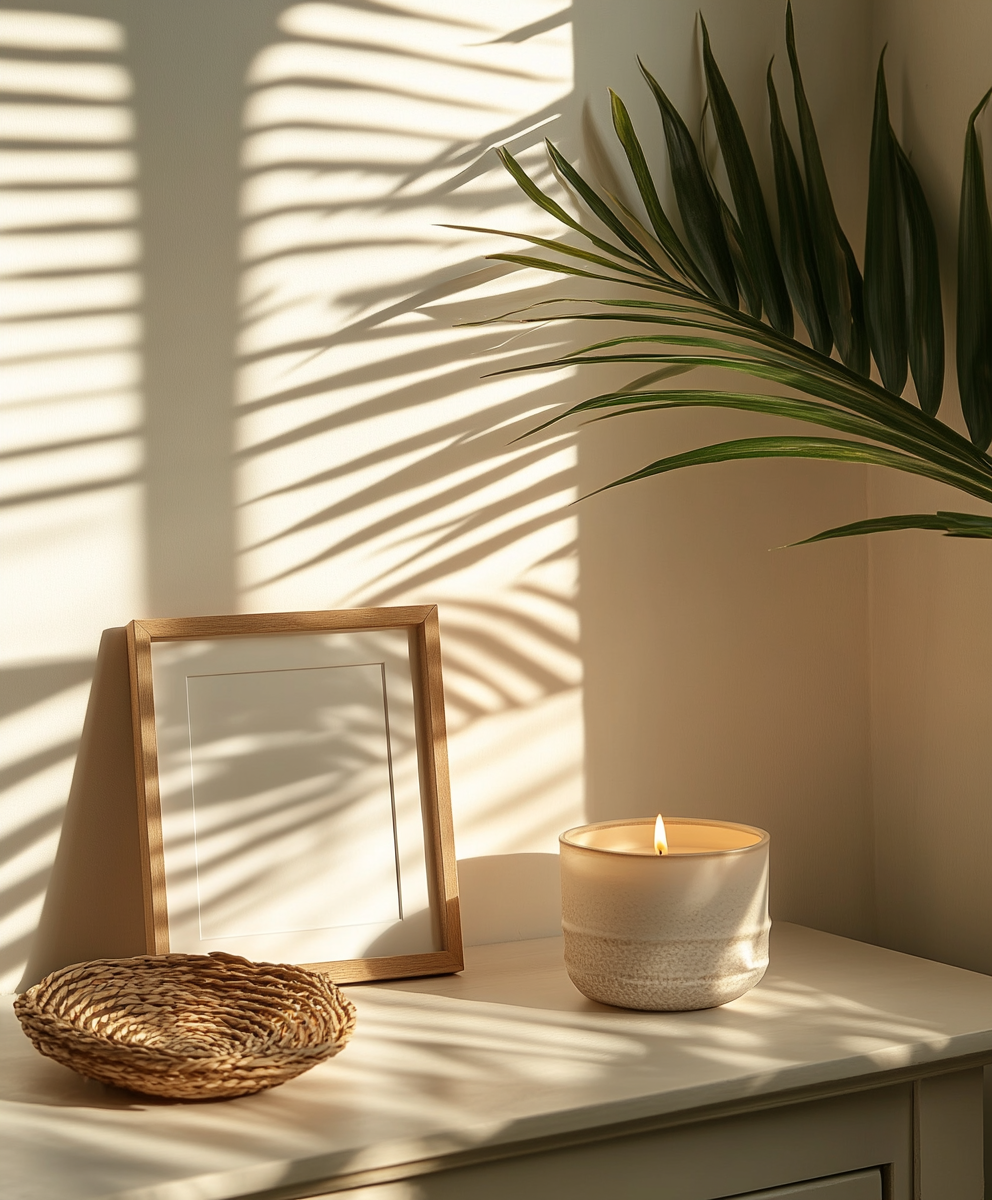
[(188, 1026)]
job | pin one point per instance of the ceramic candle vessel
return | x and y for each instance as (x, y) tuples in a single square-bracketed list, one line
[(676, 931)]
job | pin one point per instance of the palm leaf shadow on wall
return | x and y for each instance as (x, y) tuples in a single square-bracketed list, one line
[(371, 467)]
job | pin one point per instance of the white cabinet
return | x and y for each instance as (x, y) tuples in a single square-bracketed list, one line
[(849, 1073), (806, 1149)]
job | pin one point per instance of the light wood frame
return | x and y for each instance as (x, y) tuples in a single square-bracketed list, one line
[(425, 652)]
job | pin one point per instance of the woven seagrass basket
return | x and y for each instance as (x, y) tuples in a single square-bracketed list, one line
[(189, 1026)]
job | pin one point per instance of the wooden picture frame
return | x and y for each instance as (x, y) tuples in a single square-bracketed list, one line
[(293, 791)]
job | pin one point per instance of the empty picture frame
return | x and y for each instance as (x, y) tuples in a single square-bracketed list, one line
[(293, 789)]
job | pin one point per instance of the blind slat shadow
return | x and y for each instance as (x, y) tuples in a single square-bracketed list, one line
[(275, 412), (70, 342)]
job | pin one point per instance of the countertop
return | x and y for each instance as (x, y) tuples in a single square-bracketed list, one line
[(505, 1052)]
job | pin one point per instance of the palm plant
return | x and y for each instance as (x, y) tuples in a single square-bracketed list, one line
[(724, 294)]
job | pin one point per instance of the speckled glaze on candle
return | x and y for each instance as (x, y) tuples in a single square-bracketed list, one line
[(671, 932)]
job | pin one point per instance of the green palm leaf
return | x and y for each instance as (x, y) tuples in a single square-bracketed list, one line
[(533, 192), (757, 246), (795, 234), (697, 205), (622, 403), (599, 208), (838, 269), (740, 256), (921, 272), (769, 357), (885, 290), (952, 523), (974, 348), (805, 373), (546, 264), (832, 449), (557, 247), (662, 226)]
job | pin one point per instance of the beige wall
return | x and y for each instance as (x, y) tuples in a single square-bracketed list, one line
[(233, 382), (726, 677), (272, 178), (931, 635)]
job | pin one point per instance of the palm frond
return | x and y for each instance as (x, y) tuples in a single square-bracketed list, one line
[(828, 449), (953, 524), (690, 281)]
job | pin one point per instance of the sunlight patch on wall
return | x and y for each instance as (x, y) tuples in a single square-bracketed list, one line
[(70, 405), (375, 464)]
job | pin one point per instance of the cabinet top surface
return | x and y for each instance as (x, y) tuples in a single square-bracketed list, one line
[(507, 1051)]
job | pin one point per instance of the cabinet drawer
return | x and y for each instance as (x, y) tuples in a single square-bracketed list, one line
[(818, 1150), (862, 1185)]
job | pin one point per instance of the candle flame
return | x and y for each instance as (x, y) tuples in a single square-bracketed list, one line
[(660, 836)]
